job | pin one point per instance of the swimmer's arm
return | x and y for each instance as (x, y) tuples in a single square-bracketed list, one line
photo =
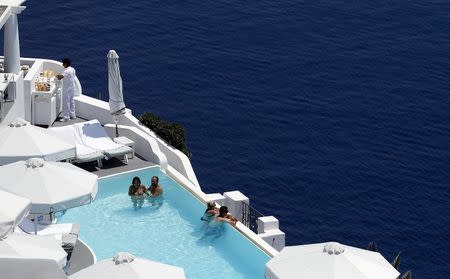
[(146, 192), (226, 220), (231, 217), (157, 193)]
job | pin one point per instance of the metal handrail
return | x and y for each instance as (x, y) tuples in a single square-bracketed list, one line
[(250, 216)]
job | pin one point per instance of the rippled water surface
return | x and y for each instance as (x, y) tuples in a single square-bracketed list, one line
[(331, 115)]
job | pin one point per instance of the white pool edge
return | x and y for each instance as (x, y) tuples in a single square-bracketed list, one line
[(128, 171), (94, 256)]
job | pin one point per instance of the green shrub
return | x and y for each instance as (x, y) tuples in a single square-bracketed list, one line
[(172, 133)]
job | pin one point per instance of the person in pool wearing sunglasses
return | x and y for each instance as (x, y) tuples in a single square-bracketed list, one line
[(155, 190)]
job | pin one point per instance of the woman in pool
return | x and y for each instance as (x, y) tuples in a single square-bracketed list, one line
[(137, 191), (210, 212), (225, 217), (136, 188)]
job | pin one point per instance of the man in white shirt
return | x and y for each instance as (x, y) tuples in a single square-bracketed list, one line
[(68, 90)]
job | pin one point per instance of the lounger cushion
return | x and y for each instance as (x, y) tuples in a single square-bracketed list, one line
[(84, 153), (89, 157), (93, 135), (117, 152)]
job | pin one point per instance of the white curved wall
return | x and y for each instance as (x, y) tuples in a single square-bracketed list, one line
[(146, 146), (82, 257), (91, 108)]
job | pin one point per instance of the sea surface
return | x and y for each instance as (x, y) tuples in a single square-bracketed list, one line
[(332, 116)]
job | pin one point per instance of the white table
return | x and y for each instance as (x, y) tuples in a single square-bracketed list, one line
[(126, 141), (44, 105)]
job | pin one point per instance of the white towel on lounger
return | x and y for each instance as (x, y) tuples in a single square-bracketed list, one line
[(70, 134), (94, 135)]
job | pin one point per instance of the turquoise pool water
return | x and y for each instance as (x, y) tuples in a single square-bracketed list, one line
[(168, 231)]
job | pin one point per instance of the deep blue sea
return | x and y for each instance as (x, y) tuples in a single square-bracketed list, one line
[(332, 116)]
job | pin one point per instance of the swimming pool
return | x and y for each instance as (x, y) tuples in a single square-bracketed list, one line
[(168, 231)]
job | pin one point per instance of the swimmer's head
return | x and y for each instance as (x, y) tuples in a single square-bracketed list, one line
[(211, 205), (154, 180), (223, 211), (136, 181), (66, 62)]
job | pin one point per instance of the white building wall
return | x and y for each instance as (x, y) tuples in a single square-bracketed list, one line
[(18, 106), (146, 146), (31, 76), (91, 108)]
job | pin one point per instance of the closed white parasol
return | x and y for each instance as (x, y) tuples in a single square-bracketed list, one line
[(116, 103), (115, 88)]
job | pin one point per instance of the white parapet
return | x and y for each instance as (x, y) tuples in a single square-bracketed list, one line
[(274, 238), (234, 201), (267, 223), (145, 145), (268, 230), (217, 197), (91, 108)]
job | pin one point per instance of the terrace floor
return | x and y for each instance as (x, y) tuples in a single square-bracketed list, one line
[(70, 122), (115, 165)]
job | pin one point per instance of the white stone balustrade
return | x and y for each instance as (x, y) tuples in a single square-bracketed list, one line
[(267, 223), (268, 230), (234, 201)]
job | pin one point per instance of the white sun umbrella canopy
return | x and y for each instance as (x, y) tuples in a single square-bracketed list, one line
[(20, 141), (50, 186), (329, 260), (31, 268), (124, 265), (26, 246), (12, 210)]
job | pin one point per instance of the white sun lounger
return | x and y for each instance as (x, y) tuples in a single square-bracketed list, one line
[(83, 153), (93, 135), (29, 227)]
